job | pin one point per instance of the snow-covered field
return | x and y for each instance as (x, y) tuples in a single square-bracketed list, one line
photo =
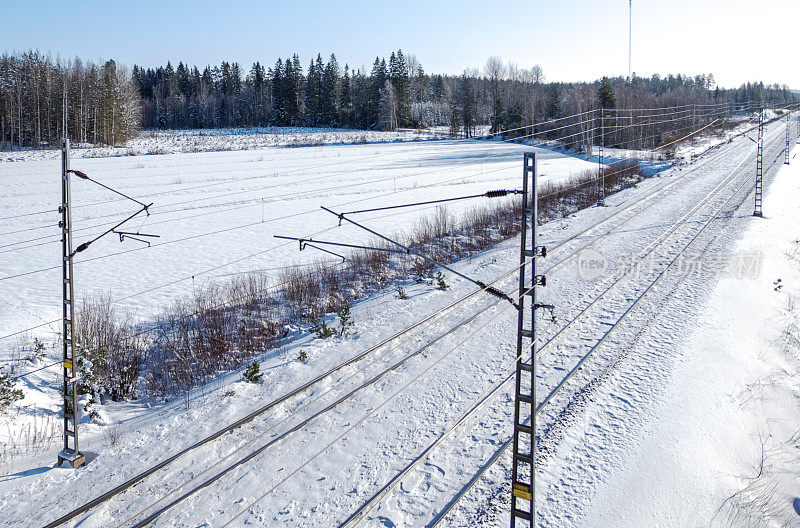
[(216, 213), (605, 453), (224, 139)]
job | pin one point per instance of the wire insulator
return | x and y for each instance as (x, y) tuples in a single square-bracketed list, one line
[(497, 293), (491, 290), (497, 194)]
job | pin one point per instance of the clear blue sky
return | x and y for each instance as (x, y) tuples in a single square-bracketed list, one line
[(570, 39)]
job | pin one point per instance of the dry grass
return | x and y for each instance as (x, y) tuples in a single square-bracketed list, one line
[(34, 435)]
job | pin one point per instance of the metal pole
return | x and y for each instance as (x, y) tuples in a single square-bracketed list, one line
[(601, 179), (523, 488), (630, 35), (409, 251), (759, 165), (534, 280), (518, 489), (788, 115), (70, 453)]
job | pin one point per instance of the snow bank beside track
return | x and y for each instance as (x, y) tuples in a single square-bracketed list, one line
[(723, 447)]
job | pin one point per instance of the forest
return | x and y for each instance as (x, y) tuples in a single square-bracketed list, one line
[(42, 98)]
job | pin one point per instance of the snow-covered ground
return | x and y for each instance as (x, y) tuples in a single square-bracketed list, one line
[(216, 214), (223, 139), (691, 417), (722, 446), (596, 446)]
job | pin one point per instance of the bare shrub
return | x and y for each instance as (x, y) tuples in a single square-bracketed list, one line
[(112, 433), (110, 353), (558, 199), (302, 291), (423, 268), (298, 142), (218, 329), (24, 349)]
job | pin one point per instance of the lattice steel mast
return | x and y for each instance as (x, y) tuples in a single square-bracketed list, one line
[(523, 485), (70, 453), (788, 116), (759, 165), (601, 179), (71, 414)]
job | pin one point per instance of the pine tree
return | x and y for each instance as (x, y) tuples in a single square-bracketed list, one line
[(108, 106), (402, 85), (297, 90), (437, 86), (377, 81), (553, 102), (345, 100), (387, 107), (291, 92), (495, 71), (8, 393), (455, 115), (252, 373), (361, 100), (467, 105), (278, 93), (312, 95), (605, 94), (330, 96), (257, 85)]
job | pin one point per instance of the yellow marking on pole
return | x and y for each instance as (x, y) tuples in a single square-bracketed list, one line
[(521, 491), (68, 364)]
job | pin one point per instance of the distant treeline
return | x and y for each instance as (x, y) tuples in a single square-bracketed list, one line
[(107, 104), (100, 102)]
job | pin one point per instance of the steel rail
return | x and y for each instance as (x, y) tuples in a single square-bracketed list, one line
[(353, 519), (248, 418)]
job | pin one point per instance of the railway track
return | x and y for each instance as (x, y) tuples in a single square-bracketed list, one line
[(668, 187), (364, 510), (504, 449), (307, 462)]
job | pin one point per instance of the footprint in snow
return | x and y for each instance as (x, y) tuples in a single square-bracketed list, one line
[(437, 467)]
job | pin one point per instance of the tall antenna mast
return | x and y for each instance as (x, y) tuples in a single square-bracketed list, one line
[(630, 34)]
